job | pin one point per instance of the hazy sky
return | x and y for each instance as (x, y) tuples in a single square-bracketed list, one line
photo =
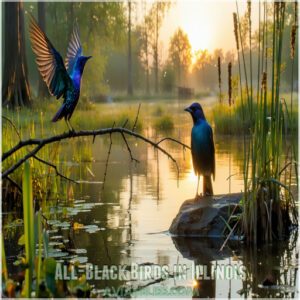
[(208, 23)]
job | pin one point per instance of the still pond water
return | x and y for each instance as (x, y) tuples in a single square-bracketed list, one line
[(126, 221)]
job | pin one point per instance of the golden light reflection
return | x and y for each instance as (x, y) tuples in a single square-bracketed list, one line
[(192, 177), (195, 283)]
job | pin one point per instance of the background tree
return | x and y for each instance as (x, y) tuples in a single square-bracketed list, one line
[(15, 86), (168, 78), (129, 78), (205, 70), (180, 54), (145, 36), (157, 14), (103, 32)]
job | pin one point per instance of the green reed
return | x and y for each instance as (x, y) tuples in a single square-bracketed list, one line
[(268, 201), (3, 261), (29, 238)]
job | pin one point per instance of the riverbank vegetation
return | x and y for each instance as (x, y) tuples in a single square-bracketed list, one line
[(269, 207)]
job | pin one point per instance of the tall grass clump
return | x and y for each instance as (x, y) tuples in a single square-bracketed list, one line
[(164, 123), (269, 207)]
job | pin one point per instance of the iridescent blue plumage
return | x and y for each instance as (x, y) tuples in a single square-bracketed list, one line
[(61, 79), (202, 147)]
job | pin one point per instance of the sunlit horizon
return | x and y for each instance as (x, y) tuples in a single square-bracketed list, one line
[(208, 24)]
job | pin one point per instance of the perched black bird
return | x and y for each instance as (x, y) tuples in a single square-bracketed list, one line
[(203, 148), (61, 79)]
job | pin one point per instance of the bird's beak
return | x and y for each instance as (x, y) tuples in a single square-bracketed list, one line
[(88, 57), (188, 109)]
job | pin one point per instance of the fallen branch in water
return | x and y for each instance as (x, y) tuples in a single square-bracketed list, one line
[(40, 143)]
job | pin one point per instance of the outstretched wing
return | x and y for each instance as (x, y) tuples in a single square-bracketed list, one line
[(49, 61), (74, 49)]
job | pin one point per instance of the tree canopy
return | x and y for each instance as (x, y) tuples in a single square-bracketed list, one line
[(180, 54)]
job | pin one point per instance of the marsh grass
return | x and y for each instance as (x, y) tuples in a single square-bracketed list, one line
[(164, 123), (230, 120), (35, 122), (67, 156), (269, 206)]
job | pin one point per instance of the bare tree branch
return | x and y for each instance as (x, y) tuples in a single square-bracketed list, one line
[(36, 157), (136, 118), (173, 140), (55, 168), (13, 125), (128, 148), (40, 143), (15, 184), (107, 159)]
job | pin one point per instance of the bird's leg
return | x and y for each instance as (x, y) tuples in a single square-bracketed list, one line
[(67, 124), (71, 127), (197, 187)]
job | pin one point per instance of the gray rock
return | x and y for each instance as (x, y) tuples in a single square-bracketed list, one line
[(206, 216)]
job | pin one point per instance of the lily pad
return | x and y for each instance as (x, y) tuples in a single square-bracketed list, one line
[(91, 228), (78, 251), (62, 224), (56, 237), (79, 259), (57, 253)]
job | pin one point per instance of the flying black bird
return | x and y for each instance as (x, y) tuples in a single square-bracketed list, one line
[(61, 79), (203, 149)]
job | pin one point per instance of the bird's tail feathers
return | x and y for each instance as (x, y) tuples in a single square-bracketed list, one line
[(59, 114), (207, 186)]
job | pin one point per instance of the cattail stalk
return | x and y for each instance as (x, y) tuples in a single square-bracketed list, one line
[(219, 79), (293, 49), (250, 46), (264, 82), (243, 56), (236, 31), (259, 44), (246, 156), (293, 40), (230, 84)]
